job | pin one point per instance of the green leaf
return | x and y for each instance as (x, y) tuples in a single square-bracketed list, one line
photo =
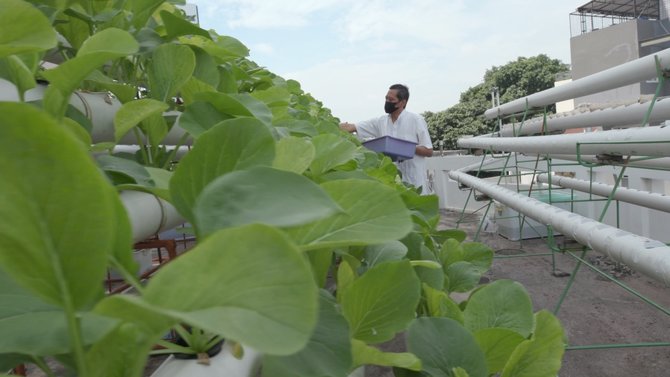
[(148, 39), (155, 127), (122, 91), (142, 10), (293, 154), (225, 49), (248, 284), (194, 86), (199, 117), (160, 184), (228, 82), (497, 344), (152, 321), (364, 354), (31, 326), (128, 168), (232, 45), (178, 26), (321, 262), (451, 252), (442, 236), (244, 197), (206, 68), (503, 303), (429, 264), (460, 372), (328, 352), (103, 46), (13, 69), (331, 151), (433, 277), (441, 305), (381, 302), (237, 105), (443, 344), (345, 276), (478, 254), (122, 252), (77, 131), (275, 96), (337, 175), (122, 353), (23, 28), (390, 251), (43, 247), (463, 276), (373, 214), (541, 355), (234, 144), (424, 206), (297, 127), (134, 112), (171, 66)]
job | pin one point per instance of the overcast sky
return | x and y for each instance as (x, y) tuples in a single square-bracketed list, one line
[(346, 53)]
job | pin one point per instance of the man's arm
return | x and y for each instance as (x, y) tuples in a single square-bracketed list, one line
[(425, 147), (424, 151), (349, 127)]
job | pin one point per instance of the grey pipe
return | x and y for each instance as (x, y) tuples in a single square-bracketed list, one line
[(622, 116), (654, 163), (149, 215), (647, 256), (625, 74), (99, 107), (642, 198), (646, 141)]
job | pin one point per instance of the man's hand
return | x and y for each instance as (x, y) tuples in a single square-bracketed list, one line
[(349, 127)]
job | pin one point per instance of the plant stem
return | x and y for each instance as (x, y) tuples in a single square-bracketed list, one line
[(43, 366), (173, 152), (145, 155), (213, 342), (75, 337), (127, 276), (73, 325), (172, 348), (183, 333)]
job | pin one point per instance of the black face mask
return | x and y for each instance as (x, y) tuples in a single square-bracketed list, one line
[(389, 107)]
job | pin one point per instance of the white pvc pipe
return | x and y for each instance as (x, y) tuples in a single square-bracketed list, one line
[(132, 149), (642, 198), (646, 141), (625, 74), (622, 116), (655, 163), (647, 256), (222, 364), (148, 214), (99, 107)]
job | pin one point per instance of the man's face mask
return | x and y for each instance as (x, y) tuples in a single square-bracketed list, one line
[(389, 107)]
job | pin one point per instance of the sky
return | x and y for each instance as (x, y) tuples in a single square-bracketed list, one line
[(346, 53)]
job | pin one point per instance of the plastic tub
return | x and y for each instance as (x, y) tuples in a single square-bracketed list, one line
[(397, 149)]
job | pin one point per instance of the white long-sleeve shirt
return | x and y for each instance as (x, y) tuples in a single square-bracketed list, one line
[(408, 126)]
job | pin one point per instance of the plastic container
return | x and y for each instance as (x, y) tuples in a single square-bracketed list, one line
[(397, 149)]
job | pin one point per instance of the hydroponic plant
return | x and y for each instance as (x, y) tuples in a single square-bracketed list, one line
[(309, 250)]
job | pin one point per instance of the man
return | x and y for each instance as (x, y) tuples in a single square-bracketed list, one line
[(401, 124)]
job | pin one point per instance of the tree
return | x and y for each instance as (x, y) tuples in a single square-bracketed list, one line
[(514, 80)]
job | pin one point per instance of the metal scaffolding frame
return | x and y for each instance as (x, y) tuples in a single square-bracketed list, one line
[(638, 147), (598, 14)]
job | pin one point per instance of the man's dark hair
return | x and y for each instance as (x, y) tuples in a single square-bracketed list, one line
[(403, 91)]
